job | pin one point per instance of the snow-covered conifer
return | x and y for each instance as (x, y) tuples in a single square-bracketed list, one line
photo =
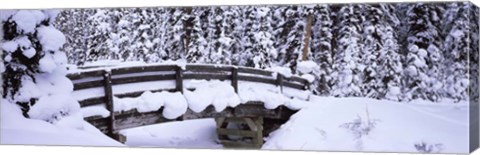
[(347, 68), (424, 57), (322, 48), (35, 69), (97, 46), (456, 45)]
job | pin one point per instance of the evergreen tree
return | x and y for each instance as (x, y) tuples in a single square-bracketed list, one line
[(98, 36), (473, 52), (121, 36), (457, 49), (280, 30), (390, 66), (295, 28), (34, 75), (76, 36), (248, 39), (159, 53), (197, 48), (175, 38), (424, 57), (259, 39), (372, 44), (322, 48), (347, 65), (235, 24)]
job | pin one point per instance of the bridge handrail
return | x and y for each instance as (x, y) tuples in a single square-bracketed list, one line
[(108, 77), (123, 75)]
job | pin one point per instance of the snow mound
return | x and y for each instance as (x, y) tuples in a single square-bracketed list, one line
[(50, 38), (360, 124), (95, 110), (269, 95), (309, 77), (16, 129), (174, 104), (219, 94), (305, 67), (285, 71), (27, 20)]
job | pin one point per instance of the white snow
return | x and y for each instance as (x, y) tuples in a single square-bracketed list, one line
[(51, 14), (95, 110), (9, 46), (336, 124), (269, 95), (174, 104), (285, 71), (219, 94), (5, 14), (47, 64), (199, 133), (29, 53), (50, 38), (309, 77), (306, 67), (54, 106), (143, 86), (180, 63), (26, 20), (28, 90), (16, 129), (23, 42), (342, 124), (112, 63), (8, 58)]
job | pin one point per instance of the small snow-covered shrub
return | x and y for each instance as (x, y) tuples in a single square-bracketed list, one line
[(361, 126), (425, 147)]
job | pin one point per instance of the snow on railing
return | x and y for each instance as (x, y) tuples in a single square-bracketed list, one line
[(120, 82)]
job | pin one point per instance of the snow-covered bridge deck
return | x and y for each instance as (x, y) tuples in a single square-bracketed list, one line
[(144, 95)]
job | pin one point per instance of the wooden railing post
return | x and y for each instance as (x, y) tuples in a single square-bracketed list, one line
[(280, 81), (109, 101), (307, 85), (235, 79), (179, 79)]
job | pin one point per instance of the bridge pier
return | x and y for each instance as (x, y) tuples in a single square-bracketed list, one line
[(240, 132), (118, 137)]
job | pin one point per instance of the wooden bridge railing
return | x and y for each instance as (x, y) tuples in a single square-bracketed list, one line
[(105, 79), (117, 76)]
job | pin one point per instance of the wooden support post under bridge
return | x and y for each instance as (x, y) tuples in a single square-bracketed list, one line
[(240, 132), (109, 104)]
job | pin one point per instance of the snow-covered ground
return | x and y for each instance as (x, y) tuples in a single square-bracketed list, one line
[(337, 124), (199, 133), (359, 124), (16, 129), (324, 123)]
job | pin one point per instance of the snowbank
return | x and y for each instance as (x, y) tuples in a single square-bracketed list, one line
[(359, 124), (16, 129)]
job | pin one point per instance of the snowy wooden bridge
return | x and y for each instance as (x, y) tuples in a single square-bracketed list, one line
[(253, 120)]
